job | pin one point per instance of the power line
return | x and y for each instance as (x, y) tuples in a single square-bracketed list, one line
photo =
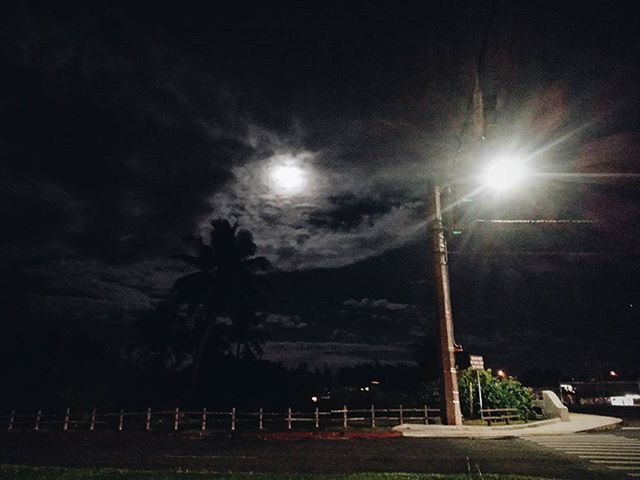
[(538, 221)]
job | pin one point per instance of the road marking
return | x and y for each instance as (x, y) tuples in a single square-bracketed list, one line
[(205, 456), (595, 449), (635, 463), (610, 451), (593, 445), (626, 441), (610, 455)]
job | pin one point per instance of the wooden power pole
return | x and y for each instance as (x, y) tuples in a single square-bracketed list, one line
[(450, 410)]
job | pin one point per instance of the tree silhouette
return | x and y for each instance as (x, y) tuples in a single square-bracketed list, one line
[(222, 296), (160, 343)]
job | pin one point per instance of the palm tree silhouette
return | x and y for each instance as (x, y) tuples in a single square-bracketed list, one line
[(160, 343), (226, 284)]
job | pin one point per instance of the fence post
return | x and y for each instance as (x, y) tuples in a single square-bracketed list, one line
[(147, 425), (11, 420), (317, 417), (426, 415), (401, 418), (121, 420), (176, 420), (233, 419), (38, 416), (344, 417), (373, 416), (289, 419), (260, 420), (65, 425), (203, 425), (92, 422)]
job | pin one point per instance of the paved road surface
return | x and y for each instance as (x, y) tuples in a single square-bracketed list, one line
[(616, 452), (428, 455)]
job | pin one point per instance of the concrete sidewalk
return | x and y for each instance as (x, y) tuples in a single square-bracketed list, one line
[(578, 422)]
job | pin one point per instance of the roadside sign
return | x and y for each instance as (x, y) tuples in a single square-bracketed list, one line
[(476, 362)]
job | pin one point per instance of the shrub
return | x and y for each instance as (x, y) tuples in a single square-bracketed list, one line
[(496, 393)]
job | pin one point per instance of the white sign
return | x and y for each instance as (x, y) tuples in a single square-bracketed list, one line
[(477, 362)]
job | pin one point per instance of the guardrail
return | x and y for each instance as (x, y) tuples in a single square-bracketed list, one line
[(215, 420)]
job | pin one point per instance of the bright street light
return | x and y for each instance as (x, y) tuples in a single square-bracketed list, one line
[(504, 174)]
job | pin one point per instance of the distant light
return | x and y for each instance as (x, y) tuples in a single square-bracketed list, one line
[(613, 373), (375, 382), (288, 178), (504, 174), (567, 387), (314, 399), (501, 373)]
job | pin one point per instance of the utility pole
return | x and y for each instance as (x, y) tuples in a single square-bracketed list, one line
[(450, 410)]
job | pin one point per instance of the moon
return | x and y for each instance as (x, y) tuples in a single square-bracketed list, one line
[(288, 179)]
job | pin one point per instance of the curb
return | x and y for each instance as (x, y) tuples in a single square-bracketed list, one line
[(293, 436), (549, 427), (478, 428)]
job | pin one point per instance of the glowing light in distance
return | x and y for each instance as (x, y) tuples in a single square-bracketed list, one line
[(288, 178), (501, 373), (504, 175)]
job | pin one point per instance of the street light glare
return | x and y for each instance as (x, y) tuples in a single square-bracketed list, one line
[(503, 175)]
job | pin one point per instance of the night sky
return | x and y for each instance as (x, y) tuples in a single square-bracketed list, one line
[(128, 125)]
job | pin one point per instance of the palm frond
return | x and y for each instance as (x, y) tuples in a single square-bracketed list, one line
[(193, 288)]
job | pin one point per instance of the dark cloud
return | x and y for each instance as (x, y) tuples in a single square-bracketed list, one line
[(347, 211), (133, 147), (126, 126), (284, 321), (382, 303), (335, 354)]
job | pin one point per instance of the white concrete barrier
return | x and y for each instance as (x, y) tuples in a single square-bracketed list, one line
[(552, 407)]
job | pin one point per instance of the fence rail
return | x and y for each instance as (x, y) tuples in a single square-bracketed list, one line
[(215, 420)]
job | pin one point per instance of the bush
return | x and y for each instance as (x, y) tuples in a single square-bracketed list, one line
[(496, 393)]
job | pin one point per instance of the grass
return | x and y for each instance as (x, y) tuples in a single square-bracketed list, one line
[(20, 472)]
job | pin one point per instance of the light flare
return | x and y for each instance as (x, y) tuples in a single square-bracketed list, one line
[(504, 174)]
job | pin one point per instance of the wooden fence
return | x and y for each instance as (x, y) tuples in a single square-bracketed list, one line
[(214, 420)]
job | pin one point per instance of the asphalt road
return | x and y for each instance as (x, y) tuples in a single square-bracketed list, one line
[(163, 451), (630, 428)]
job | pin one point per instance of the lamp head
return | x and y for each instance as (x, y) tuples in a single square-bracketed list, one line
[(504, 174)]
